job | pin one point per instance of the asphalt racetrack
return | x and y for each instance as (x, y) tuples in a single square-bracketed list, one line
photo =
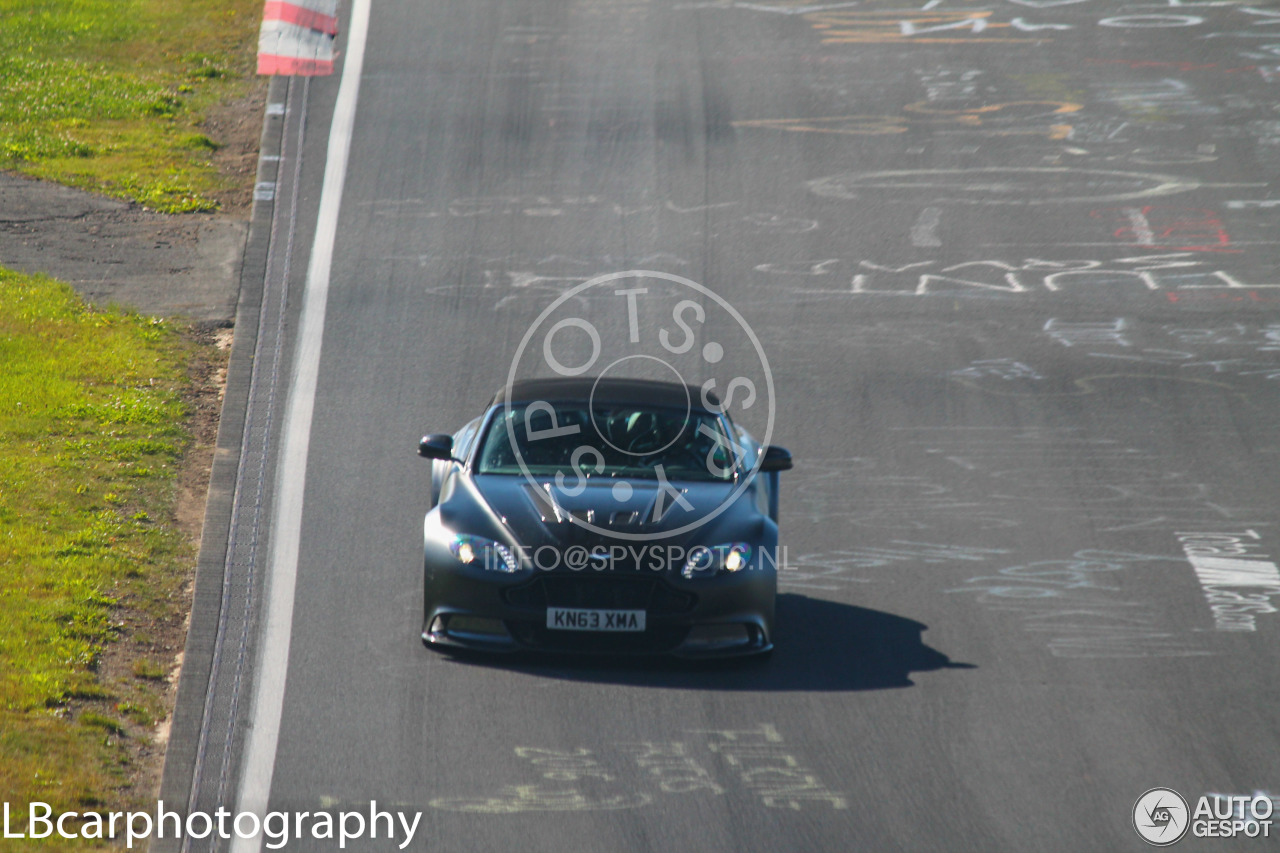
[(1003, 278)]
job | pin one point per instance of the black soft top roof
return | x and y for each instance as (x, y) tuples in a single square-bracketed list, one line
[(607, 390)]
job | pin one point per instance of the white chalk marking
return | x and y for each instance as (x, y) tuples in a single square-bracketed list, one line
[(924, 231), (1231, 571), (1139, 226)]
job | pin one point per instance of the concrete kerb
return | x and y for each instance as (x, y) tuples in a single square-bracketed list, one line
[(197, 663)]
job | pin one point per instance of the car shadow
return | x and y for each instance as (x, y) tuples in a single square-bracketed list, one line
[(820, 646)]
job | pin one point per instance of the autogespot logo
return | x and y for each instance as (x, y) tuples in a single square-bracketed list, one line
[(650, 325), (1160, 816)]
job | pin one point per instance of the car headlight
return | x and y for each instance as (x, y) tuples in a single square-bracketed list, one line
[(483, 553), (706, 562)]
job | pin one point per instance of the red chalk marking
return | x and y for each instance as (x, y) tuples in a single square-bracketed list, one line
[(1158, 227)]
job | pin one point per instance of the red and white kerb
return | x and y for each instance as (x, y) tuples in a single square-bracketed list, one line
[(297, 37)]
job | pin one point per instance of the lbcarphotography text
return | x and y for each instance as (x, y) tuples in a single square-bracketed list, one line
[(275, 828)]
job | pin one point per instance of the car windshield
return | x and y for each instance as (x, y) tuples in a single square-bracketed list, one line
[(611, 440)]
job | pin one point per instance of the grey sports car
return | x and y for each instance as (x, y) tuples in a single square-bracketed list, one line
[(602, 516)]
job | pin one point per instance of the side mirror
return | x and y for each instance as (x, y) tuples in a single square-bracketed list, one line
[(775, 459), (436, 446)]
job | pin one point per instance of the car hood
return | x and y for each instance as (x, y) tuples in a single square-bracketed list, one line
[(536, 512)]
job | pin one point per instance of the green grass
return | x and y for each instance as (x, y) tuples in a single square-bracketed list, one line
[(111, 95), (91, 433)]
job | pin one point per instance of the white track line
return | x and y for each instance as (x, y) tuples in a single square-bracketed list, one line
[(260, 751)]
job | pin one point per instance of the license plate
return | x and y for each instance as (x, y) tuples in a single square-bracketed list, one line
[(575, 619)]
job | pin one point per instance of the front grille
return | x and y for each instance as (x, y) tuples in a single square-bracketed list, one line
[(598, 592)]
